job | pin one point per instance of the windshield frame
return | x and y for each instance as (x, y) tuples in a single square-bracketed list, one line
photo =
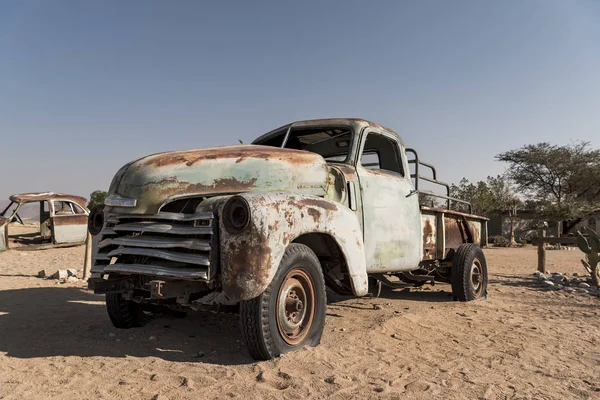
[(286, 130), (14, 212)]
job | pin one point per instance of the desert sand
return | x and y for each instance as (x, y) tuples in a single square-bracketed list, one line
[(522, 342)]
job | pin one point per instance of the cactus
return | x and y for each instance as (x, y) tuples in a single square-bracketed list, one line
[(590, 245)]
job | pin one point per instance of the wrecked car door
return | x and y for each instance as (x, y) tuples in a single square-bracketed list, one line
[(391, 217), (69, 222)]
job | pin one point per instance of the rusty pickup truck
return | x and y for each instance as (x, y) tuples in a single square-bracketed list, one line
[(265, 228)]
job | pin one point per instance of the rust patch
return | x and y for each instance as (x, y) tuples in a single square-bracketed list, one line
[(80, 219), (171, 186), (247, 266), (324, 204), (48, 196), (348, 171), (314, 213), (453, 233), (240, 153), (429, 240)]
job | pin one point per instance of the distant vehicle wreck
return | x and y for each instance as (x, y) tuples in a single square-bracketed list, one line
[(62, 218)]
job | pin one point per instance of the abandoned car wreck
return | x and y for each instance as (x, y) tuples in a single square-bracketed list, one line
[(266, 227), (62, 220)]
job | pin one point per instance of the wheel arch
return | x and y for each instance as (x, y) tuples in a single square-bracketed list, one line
[(249, 260), (333, 261)]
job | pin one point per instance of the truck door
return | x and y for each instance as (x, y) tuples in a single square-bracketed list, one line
[(391, 213), (69, 222)]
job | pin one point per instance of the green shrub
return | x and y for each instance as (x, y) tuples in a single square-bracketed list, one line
[(500, 241)]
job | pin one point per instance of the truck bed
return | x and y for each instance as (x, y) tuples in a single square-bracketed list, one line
[(444, 230)]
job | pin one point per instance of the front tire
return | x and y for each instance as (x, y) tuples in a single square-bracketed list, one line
[(290, 313), (469, 275), (125, 314)]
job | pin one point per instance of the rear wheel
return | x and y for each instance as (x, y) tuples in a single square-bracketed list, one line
[(125, 314), (469, 273), (290, 313)]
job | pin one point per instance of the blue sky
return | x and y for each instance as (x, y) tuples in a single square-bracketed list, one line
[(87, 86)]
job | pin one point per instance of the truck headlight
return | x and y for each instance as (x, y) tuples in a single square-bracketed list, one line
[(236, 214), (96, 220)]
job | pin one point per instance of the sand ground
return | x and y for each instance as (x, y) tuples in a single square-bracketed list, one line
[(57, 342)]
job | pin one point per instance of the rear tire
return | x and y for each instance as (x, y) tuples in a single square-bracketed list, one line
[(125, 314), (469, 275), (290, 313)]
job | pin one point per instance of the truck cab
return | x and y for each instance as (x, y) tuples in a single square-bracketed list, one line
[(266, 227)]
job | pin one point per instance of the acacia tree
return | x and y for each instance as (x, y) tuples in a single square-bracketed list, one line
[(489, 198), (96, 197), (563, 180)]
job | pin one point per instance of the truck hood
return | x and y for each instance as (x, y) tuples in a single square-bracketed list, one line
[(160, 178)]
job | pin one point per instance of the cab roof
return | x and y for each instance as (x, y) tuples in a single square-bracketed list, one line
[(353, 122)]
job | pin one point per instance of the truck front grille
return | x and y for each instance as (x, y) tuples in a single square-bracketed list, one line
[(169, 245)]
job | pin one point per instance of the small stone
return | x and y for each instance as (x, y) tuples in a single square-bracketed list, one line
[(584, 285), (60, 274), (185, 382), (155, 397), (575, 274), (583, 291), (379, 389), (395, 336), (342, 329), (260, 377), (548, 284), (377, 307), (152, 338), (72, 272), (330, 380), (72, 279), (111, 335), (42, 274), (154, 377)]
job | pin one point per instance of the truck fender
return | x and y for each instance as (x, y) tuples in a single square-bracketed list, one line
[(249, 259)]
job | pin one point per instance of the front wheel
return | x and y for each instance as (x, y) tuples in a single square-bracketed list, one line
[(290, 313), (125, 314), (469, 275)]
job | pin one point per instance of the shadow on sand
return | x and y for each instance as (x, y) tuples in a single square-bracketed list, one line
[(68, 321)]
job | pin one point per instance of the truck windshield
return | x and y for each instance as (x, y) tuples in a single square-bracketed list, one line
[(333, 143)]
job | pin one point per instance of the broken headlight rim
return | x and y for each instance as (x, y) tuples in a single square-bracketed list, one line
[(96, 220), (236, 214)]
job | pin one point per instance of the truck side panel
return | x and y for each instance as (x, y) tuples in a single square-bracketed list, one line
[(445, 230)]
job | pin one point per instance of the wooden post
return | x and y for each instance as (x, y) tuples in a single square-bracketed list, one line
[(87, 262), (542, 252)]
